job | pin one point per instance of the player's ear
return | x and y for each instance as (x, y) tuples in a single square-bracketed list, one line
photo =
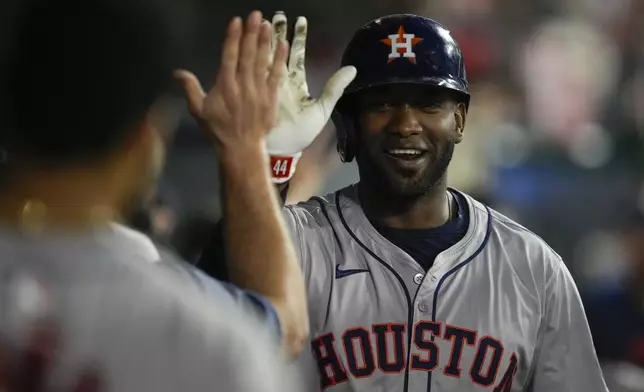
[(140, 142), (144, 133), (460, 112), (156, 125)]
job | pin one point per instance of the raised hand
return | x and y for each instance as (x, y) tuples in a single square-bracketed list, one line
[(241, 107), (300, 117)]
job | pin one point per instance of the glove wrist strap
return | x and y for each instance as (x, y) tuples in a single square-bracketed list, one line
[(283, 167)]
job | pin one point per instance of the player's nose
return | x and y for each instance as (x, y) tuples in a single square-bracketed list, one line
[(404, 121)]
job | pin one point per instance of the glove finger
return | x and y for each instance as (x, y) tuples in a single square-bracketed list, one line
[(335, 86), (296, 64), (278, 68), (280, 28)]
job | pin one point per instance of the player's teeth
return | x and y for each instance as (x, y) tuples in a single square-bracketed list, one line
[(404, 152)]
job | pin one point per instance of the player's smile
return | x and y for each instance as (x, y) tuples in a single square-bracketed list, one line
[(407, 159), (406, 136)]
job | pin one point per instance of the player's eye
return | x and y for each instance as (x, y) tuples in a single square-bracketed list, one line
[(430, 107), (380, 107)]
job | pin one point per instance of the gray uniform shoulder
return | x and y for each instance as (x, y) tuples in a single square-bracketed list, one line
[(137, 244), (315, 217), (144, 328), (527, 254), (564, 358), (317, 210), (178, 321)]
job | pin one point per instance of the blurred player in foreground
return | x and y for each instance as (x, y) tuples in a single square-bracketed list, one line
[(83, 145), (30, 368), (414, 286)]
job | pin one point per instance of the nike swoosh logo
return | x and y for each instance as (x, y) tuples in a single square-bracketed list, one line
[(339, 274)]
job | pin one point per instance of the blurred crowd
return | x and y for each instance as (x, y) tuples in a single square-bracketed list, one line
[(553, 139)]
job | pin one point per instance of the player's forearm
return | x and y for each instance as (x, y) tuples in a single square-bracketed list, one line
[(212, 260), (256, 235), (260, 254)]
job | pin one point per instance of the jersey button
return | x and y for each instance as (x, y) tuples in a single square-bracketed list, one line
[(418, 278), (422, 307), (433, 278)]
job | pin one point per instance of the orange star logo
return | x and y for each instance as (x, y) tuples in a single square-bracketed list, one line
[(402, 45)]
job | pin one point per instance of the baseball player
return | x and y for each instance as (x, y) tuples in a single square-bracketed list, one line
[(414, 286), (84, 142)]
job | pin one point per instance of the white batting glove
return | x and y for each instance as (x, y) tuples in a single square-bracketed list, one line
[(300, 117)]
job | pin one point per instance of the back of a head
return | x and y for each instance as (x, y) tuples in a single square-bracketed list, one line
[(80, 74)]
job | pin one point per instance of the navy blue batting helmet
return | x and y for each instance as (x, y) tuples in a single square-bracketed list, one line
[(395, 49)]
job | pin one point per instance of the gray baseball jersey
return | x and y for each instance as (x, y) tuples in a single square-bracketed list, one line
[(145, 328), (497, 311)]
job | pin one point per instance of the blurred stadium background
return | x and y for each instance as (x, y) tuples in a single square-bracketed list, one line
[(554, 138)]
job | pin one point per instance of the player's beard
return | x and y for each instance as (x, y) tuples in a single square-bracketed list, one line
[(382, 178)]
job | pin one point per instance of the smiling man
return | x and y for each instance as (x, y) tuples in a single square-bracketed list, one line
[(414, 286)]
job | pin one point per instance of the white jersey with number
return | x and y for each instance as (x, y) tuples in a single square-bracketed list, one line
[(497, 311), (144, 328)]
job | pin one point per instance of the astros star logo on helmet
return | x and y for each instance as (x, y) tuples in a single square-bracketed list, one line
[(402, 45)]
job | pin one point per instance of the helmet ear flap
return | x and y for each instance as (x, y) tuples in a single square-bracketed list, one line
[(345, 134)]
